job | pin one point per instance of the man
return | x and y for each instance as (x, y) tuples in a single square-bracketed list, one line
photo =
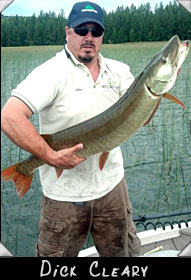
[(77, 84)]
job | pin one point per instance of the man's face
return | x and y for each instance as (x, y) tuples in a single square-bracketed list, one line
[(84, 48)]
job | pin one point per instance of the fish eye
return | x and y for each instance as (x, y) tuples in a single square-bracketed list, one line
[(163, 60)]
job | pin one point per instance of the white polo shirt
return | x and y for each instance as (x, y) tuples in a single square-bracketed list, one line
[(63, 92)]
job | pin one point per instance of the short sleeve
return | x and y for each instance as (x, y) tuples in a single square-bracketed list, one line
[(126, 78), (41, 86)]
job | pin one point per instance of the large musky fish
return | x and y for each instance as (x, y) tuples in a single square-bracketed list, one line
[(119, 122)]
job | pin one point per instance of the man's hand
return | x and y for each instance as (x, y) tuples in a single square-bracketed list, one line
[(16, 125), (66, 159)]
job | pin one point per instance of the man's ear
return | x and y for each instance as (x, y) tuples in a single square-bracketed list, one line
[(67, 31)]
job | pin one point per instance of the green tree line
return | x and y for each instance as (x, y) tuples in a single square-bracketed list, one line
[(122, 25)]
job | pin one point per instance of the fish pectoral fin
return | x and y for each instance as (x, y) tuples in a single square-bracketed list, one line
[(173, 98), (102, 160), (178, 72), (153, 112), (59, 171)]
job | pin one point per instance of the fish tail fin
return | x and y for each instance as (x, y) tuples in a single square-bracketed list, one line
[(21, 181)]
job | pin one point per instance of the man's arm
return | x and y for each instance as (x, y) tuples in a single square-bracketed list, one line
[(16, 125)]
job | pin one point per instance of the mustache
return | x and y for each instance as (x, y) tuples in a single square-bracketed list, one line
[(87, 44)]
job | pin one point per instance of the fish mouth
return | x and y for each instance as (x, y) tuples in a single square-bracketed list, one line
[(161, 81), (164, 72), (186, 43)]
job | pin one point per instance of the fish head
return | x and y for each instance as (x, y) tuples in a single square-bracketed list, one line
[(164, 67)]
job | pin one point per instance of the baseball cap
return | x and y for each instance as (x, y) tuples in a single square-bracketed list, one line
[(86, 11)]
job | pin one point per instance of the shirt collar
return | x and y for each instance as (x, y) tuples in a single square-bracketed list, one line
[(102, 63), (71, 56)]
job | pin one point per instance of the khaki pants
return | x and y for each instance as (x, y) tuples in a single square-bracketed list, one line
[(64, 226)]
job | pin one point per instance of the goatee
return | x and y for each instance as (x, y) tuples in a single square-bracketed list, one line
[(85, 59)]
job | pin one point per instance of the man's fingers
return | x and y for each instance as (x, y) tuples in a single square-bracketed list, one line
[(77, 148), (67, 159)]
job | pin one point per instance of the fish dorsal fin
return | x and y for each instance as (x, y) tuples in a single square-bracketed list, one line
[(173, 98)]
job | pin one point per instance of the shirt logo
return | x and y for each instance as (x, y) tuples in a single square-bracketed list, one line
[(89, 8), (111, 84)]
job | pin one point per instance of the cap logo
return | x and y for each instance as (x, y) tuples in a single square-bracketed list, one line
[(89, 8)]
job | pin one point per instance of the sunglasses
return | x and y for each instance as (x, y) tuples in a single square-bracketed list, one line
[(83, 31)]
